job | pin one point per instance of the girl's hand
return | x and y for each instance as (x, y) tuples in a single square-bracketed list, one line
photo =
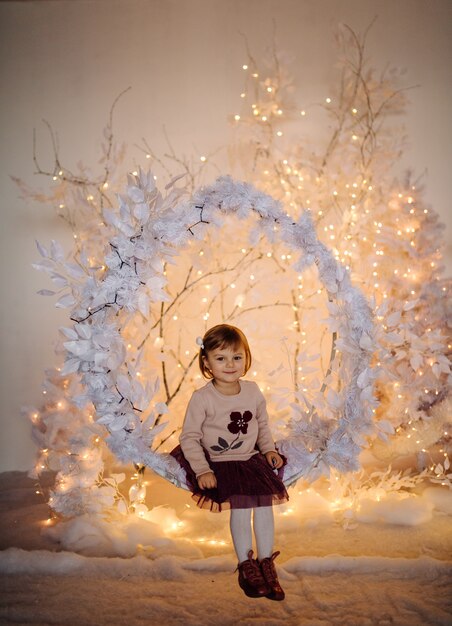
[(274, 459), (207, 481)]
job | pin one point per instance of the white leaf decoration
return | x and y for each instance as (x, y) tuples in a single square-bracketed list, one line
[(141, 211), (78, 347), (56, 251), (69, 333), (363, 378), (46, 292), (70, 366), (174, 180), (119, 478), (84, 331), (65, 301), (366, 342), (74, 270), (110, 217), (122, 507), (394, 319), (118, 423), (44, 266), (135, 194), (60, 281), (143, 304), (411, 304), (416, 361), (386, 426), (333, 398), (161, 407), (42, 250), (367, 393)]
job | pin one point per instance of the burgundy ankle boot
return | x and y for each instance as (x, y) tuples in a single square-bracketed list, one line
[(251, 579), (271, 578)]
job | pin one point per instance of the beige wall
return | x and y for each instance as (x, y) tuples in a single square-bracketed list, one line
[(65, 61)]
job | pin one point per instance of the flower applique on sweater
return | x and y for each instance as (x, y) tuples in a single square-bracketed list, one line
[(238, 424)]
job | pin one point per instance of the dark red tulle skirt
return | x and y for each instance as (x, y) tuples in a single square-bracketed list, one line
[(240, 484)]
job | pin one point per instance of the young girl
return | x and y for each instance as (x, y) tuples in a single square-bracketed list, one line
[(228, 453)]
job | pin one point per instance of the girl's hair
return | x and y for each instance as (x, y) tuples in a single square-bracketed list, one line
[(223, 336)]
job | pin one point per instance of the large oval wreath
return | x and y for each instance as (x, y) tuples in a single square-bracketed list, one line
[(150, 229)]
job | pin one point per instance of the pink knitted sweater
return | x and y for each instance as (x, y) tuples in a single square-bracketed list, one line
[(228, 427)]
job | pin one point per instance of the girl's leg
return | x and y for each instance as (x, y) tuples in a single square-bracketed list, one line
[(251, 578), (240, 524), (264, 530)]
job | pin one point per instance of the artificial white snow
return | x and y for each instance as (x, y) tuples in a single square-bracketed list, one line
[(408, 511), (440, 498), (93, 535), (397, 567), (375, 573), (17, 561)]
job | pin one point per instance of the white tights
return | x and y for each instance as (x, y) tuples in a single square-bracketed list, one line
[(264, 528)]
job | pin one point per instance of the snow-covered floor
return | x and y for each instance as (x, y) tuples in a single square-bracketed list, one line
[(371, 573)]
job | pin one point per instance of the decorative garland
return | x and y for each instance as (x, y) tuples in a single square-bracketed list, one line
[(150, 229)]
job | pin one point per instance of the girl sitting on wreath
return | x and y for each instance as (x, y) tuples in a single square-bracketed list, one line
[(229, 456)]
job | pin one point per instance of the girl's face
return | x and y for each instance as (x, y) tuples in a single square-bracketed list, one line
[(227, 364)]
